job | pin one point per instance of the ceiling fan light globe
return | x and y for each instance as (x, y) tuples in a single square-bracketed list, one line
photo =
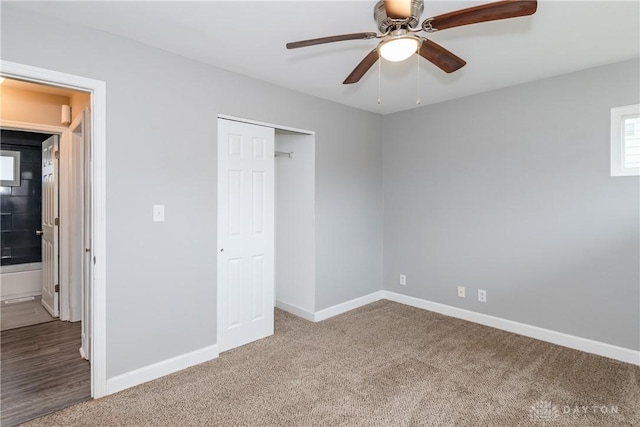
[(399, 49)]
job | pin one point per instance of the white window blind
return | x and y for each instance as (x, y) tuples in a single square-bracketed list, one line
[(631, 144), (625, 141)]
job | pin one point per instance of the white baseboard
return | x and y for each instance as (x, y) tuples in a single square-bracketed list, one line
[(178, 363), (346, 306), (160, 369), (295, 310), (332, 311), (566, 340)]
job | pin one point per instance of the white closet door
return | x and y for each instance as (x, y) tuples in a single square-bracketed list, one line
[(246, 196)]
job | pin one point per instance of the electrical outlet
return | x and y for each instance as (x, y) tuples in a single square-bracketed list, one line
[(482, 295), (461, 292), (403, 280)]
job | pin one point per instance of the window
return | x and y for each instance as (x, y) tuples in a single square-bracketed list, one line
[(625, 141), (9, 168)]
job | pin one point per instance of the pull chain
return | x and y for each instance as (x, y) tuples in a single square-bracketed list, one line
[(379, 72), (418, 101)]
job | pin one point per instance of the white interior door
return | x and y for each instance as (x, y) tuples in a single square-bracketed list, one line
[(86, 262), (72, 243), (50, 289), (246, 196)]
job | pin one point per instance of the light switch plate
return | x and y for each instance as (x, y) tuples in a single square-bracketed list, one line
[(158, 213)]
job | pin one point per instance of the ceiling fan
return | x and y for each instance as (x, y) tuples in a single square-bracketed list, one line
[(398, 20)]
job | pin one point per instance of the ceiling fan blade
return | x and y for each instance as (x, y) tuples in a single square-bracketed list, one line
[(398, 9), (483, 13), (362, 68), (441, 57), (331, 39)]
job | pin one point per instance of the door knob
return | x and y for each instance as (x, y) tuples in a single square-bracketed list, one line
[(39, 232)]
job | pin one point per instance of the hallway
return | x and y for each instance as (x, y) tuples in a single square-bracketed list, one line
[(42, 371)]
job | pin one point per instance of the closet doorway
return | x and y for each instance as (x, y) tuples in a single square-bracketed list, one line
[(265, 226)]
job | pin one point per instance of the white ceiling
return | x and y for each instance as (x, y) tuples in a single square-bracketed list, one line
[(249, 38)]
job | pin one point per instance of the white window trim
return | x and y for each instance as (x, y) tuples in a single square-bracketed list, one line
[(617, 168), (14, 181)]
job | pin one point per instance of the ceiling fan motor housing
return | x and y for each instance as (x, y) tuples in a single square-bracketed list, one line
[(386, 24)]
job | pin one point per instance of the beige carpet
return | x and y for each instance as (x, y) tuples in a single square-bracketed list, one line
[(383, 364)]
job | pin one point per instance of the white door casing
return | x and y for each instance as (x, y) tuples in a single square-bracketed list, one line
[(50, 225), (99, 384), (246, 250), (81, 230)]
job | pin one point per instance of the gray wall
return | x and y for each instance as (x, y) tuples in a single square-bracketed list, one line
[(509, 191), (161, 137)]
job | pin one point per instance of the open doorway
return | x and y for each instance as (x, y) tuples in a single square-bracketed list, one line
[(295, 222), (57, 222), (21, 225), (97, 89)]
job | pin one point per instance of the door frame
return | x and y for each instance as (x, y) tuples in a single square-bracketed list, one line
[(266, 124), (98, 92), (64, 141)]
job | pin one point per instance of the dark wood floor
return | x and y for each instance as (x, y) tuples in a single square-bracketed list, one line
[(42, 371)]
